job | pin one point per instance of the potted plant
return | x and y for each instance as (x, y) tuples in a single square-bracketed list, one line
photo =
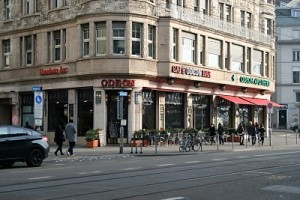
[(92, 138)]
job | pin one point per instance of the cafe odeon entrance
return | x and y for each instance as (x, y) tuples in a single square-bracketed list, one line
[(113, 122)]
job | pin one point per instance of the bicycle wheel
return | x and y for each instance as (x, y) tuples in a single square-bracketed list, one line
[(181, 148), (188, 146), (197, 145)]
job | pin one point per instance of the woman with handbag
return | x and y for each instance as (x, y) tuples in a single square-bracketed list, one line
[(59, 139)]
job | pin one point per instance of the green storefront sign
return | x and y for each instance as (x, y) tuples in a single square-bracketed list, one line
[(255, 81)]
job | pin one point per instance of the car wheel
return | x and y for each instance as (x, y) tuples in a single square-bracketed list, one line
[(7, 164), (35, 158)]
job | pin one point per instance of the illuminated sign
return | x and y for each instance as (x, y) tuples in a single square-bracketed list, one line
[(56, 70), (255, 81), (117, 83), (190, 71)]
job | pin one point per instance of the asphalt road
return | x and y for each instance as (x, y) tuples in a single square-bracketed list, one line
[(253, 174)]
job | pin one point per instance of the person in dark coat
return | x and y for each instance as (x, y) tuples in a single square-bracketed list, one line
[(251, 132), (240, 131), (261, 132), (59, 139), (212, 133), (221, 133)]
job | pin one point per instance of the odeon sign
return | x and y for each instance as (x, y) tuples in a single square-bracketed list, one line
[(117, 83), (255, 81), (190, 71)]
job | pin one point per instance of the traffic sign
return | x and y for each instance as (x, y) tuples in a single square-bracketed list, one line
[(37, 88), (38, 105), (123, 94), (270, 106)]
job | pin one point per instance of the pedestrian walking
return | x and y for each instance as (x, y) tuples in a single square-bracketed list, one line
[(251, 132), (262, 131), (27, 125), (212, 133), (221, 133), (59, 139), (240, 131), (71, 135), (256, 132)]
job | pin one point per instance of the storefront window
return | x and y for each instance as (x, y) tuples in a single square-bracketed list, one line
[(201, 105), (174, 110), (85, 110), (57, 109)]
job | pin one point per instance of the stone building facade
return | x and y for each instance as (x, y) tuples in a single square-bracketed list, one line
[(164, 63)]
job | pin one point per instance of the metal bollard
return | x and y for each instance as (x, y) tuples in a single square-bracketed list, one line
[(155, 141), (142, 146)]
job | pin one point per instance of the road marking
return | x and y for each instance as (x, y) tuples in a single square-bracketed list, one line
[(282, 188), (95, 172), (39, 178), (191, 162), (174, 198), (82, 173), (242, 157), (131, 168), (165, 165), (219, 159)]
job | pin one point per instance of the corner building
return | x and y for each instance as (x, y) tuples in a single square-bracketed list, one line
[(181, 64)]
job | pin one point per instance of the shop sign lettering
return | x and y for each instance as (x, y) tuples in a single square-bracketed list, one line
[(190, 71), (51, 70), (255, 81), (117, 83)]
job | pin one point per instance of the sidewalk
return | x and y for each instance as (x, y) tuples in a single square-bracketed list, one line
[(280, 140)]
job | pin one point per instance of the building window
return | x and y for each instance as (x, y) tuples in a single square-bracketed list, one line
[(257, 62), (8, 7), (85, 40), (31, 6), (29, 49), (297, 97), (174, 110), (151, 41), (101, 38), (296, 55), (205, 6), (248, 59), (227, 52), (119, 35), (237, 58), (175, 44), (57, 45), (136, 38), (214, 52), (6, 53), (296, 76), (221, 10), (267, 64), (248, 20), (57, 108), (196, 5), (58, 3), (188, 47), (243, 18), (202, 45), (267, 29)]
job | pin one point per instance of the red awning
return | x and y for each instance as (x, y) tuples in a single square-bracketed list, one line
[(236, 100), (261, 102)]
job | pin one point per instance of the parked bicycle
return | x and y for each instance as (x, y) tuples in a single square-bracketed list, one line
[(190, 143)]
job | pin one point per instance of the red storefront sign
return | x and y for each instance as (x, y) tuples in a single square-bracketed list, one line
[(50, 71), (190, 71), (117, 83)]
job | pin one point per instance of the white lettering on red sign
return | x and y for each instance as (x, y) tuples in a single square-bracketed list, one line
[(191, 71)]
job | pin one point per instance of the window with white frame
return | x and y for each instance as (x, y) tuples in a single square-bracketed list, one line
[(267, 26), (151, 41), (58, 3), (296, 76), (202, 45), (175, 44), (196, 5), (242, 15), (205, 6), (29, 49), (296, 55), (267, 64), (228, 13), (136, 38), (57, 45), (85, 40), (248, 20), (237, 63), (257, 62), (6, 52), (101, 38), (188, 47), (8, 8), (227, 52), (221, 10), (214, 52), (119, 35), (31, 6)]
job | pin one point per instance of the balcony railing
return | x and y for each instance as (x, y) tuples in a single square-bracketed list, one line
[(189, 15)]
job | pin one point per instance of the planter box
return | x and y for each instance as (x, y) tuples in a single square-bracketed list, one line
[(235, 139), (138, 143), (92, 144)]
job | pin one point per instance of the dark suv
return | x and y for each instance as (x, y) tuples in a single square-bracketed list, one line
[(18, 144), (294, 127)]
